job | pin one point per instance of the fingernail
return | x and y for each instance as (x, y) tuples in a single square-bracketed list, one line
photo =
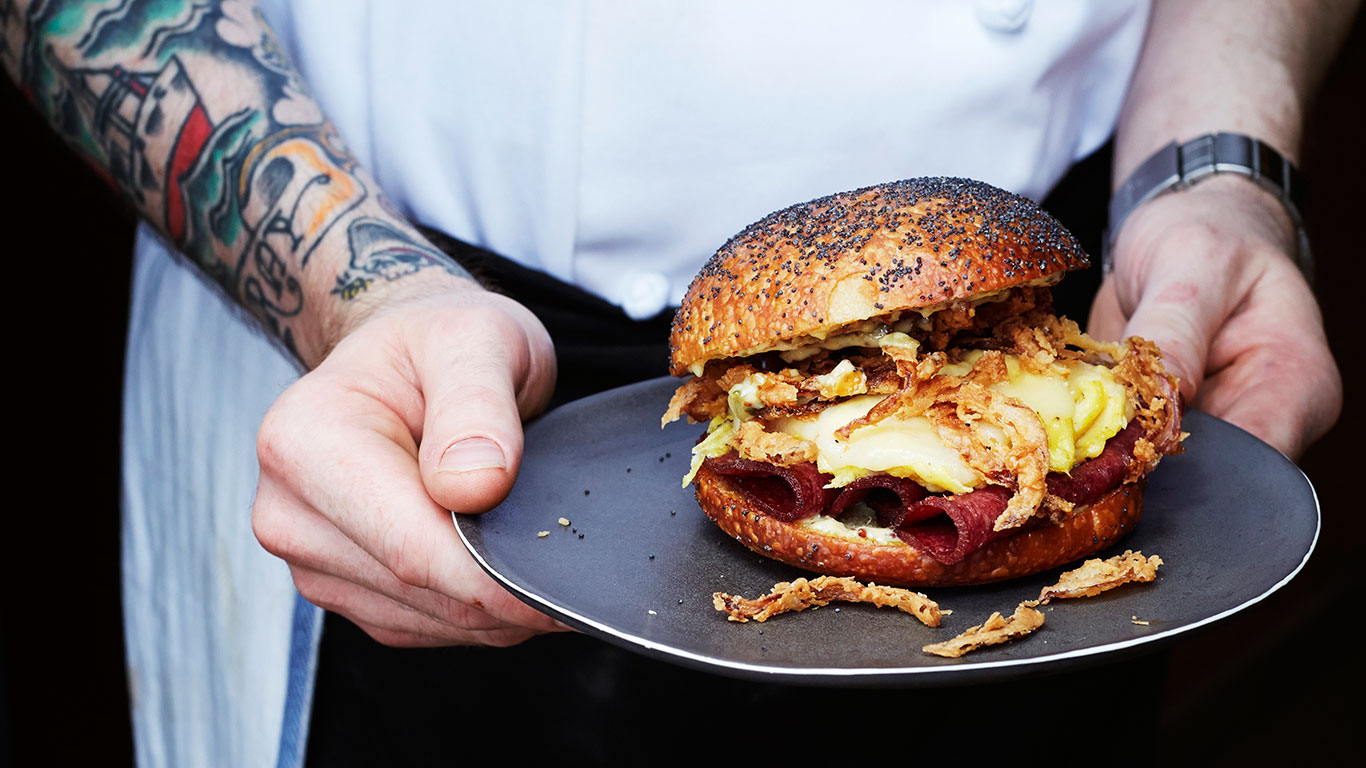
[(471, 454)]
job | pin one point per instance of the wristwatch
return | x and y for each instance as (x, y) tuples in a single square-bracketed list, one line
[(1177, 166)]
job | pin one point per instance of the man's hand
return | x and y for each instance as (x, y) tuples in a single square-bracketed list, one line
[(416, 412), (1208, 274)]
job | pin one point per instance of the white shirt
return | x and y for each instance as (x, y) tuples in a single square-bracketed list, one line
[(616, 145), (612, 144)]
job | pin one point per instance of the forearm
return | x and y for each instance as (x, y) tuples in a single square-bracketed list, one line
[(1221, 65), (191, 110), (1209, 273)]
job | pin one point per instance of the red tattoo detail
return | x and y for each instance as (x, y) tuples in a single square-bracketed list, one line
[(188, 145)]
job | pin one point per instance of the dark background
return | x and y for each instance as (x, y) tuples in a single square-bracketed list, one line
[(1273, 682)]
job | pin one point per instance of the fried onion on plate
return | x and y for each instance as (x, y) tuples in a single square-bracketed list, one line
[(803, 593)]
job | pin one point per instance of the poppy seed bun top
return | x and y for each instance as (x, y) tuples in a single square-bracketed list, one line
[(817, 266)]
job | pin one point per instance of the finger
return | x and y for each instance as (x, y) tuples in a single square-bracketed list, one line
[(399, 639), (1272, 373), (1269, 398), (415, 539), (472, 424), (365, 607), (391, 622), (1181, 317), (309, 542)]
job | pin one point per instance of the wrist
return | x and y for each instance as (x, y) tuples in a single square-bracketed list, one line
[(1223, 231), (342, 312), (1238, 167), (369, 261), (431, 319)]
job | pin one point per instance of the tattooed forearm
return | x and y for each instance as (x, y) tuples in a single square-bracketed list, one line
[(192, 110), (381, 251), (295, 185)]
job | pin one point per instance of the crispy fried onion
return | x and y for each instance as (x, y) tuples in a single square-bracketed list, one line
[(1063, 332), (699, 398), (918, 380), (1003, 440), (1137, 364), (754, 441), (965, 318), (1140, 370), (1095, 576), (802, 594), (774, 392), (994, 631), (1036, 347), (998, 436), (1090, 579)]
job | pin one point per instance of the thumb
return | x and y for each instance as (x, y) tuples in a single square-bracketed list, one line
[(473, 378), (1183, 325)]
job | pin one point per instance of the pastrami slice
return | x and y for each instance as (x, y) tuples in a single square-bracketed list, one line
[(890, 497), (949, 528), (1096, 477), (785, 493)]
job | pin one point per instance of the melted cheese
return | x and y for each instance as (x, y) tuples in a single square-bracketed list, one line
[(904, 447), (1079, 412)]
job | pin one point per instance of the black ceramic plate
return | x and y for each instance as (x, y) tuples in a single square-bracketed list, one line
[(637, 564)]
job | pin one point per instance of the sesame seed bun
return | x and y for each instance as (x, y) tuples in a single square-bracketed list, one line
[(908, 245)]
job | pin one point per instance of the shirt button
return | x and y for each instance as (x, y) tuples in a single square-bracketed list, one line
[(1004, 15), (646, 294)]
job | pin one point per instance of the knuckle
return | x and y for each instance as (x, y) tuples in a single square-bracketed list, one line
[(449, 610), (488, 312), (275, 438), (490, 618), (286, 432), (271, 526), (341, 599), (318, 591), (481, 611)]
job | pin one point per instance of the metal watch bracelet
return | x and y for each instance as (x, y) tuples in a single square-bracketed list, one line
[(1177, 166)]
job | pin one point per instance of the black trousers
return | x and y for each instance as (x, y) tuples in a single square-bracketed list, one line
[(571, 698)]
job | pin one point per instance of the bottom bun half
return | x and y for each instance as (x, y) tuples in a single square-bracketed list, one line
[(1086, 531)]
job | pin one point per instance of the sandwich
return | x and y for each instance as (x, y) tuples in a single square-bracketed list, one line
[(890, 396)]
